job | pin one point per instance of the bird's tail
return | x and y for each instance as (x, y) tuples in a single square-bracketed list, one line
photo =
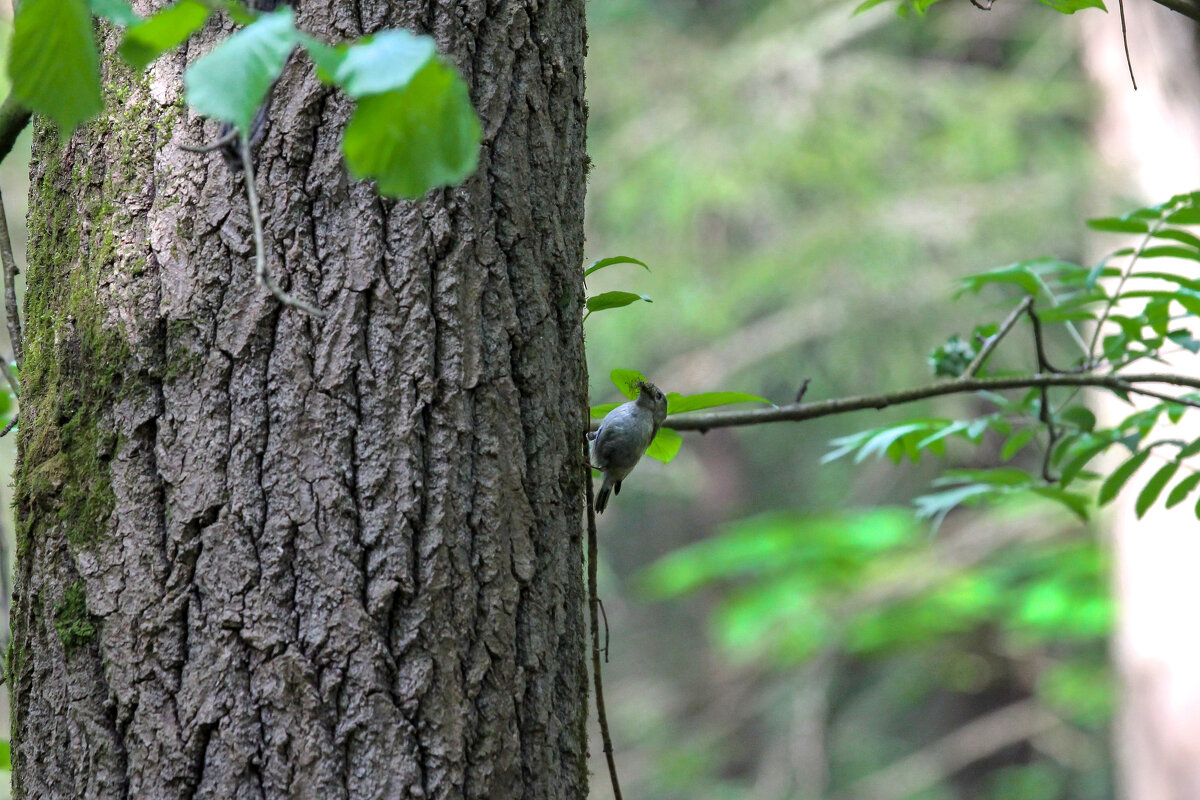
[(606, 488)]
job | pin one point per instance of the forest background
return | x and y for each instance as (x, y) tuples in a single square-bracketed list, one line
[(807, 185)]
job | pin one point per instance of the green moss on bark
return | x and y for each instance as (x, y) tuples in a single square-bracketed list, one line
[(71, 619)]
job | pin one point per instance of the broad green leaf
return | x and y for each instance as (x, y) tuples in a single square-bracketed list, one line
[(53, 63), (231, 82), (665, 445), (417, 138), (1016, 443), (1185, 216), (626, 381), (598, 412), (1189, 451), (1121, 475), (1179, 236), (1170, 251), (607, 300), (679, 404), (117, 12), (166, 30), (1118, 225), (608, 262), (1154, 487), (1183, 489), (382, 63)]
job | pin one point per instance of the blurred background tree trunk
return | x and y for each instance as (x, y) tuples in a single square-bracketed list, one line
[(263, 555), (1153, 135)]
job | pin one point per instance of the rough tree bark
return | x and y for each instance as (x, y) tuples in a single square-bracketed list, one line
[(263, 555)]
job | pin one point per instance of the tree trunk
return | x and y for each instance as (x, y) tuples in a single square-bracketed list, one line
[(263, 555), (1153, 133)]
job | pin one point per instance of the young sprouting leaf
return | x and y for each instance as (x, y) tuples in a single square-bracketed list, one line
[(665, 445), (53, 63), (150, 38), (1154, 487), (679, 404), (607, 300), (608, 262), (117, 12), (1016, 443), (626, 381), (1120, 476), (231, 82), (1182, 490)]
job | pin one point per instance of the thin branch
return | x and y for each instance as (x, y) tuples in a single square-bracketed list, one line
[(1125, 41), (12, 423), (1092, 359), (215, 144), (593, 604), (995, 338), (260, 255), (11, 311), (14, 118), (1181, 7), (800, 412)]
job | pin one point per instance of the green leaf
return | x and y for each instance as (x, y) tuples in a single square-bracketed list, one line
[(665, 445), (881, 443), (1118, 225), (679, 404), (1179, 236), (382, 63), (1080, 459), (117, 12), (1018, 274), (626, 381), (598, 412), (53, 63), (1071, 6), (231, 82), (1006, 476), (166, 30), (1076, 503), (608, 262), (1080, 417), (1017, 442), (1170, 251), (1154, 487), (327, 58), (1185, 216), (936, 506), (866, 5), (607, 300), (1121, 475), (415, 138), (5, 755), (1183, 489)]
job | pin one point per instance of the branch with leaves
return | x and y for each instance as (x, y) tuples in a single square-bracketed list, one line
[(1142, 318)]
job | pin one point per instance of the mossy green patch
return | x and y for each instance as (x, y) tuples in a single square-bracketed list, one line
[(71, 619)]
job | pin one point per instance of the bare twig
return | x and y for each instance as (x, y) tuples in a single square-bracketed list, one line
[(800, 412), (593, 604), (12, 423), (9, 263), (260, 255), (994, 339), (1187, 9), (1125, 41)]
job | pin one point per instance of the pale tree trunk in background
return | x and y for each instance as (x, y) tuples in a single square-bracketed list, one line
[(266, 556), (1154, 134)]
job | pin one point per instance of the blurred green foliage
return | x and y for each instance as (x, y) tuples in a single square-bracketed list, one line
[(808, 184)]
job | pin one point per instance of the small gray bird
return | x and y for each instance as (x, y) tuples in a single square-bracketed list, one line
[(623, 435)]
